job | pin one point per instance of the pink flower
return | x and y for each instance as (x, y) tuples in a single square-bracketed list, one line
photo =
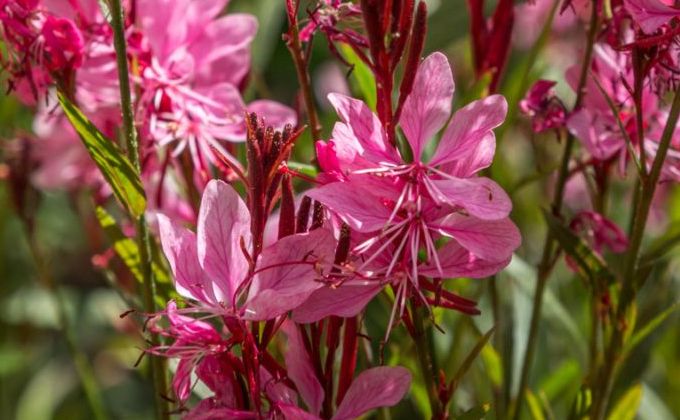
[(401, 207), (63, 44), (191, 76), (212, 268), (543, 106)]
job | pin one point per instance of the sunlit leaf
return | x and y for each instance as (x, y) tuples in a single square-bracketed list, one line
[(534, 406), (561, 378), (365, 80), (493, 364), (627, 406), (114, 166)]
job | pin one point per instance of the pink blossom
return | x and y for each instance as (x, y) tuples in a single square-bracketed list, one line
[(542, 105), (401, 207), (651, 14)]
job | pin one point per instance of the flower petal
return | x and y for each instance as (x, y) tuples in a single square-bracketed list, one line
[(301, 370), (481, 197), (491, 240), (377, 387), (288, 272), (456, 261), (346, 301), (274, 114), (650, 14), (223, 221), (469, 126), (428, 107)]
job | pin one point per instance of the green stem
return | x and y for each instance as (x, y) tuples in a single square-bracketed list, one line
[(149, 286), (83, 368), (425, 353), (631, 283), (546, 264)]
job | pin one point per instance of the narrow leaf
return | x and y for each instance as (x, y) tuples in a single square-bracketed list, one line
[(662, 245), (365, 81), (627, 406), (650, 327), (462, 370), (493, 365), (534, 406), (114, 166)]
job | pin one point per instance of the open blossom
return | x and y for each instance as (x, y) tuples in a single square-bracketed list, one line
[(651, 14), (191, 72), (543, 106), (596, 126), (401, 206)]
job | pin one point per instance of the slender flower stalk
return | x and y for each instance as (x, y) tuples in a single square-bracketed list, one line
[(631, 280), (426, 358), (547, 259), (143, 236)]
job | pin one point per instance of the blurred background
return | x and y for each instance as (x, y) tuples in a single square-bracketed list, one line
[(37, 374)]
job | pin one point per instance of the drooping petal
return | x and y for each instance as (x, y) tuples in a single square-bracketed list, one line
[(481, 197), (223, 221), (365, 126), (179, 247), (181, 382), (288, 272), (428, 107), (382, 386), (456, 261), (491, 240), (470, 125), (301, 370), (354, 204), (346, 300), (291, 412)]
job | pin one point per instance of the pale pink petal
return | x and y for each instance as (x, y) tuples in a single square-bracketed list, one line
[(595, 134), (479, 157), (469, 126), (428, 107), (377, 387), (354, 204), (456, 261), (491, 240), (223, 221), (288, 272), (481, 197), (274, 114), (179, 247), (346, 301), (301, 370), (650, 14), (365, 127)]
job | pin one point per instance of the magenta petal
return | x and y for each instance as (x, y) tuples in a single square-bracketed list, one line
[(222, 222), (456, 261), (377, 387), (179, 247), (346, 300), (301, 370), (429, 105), (353, 204), (288, 272), (366, 128), (181, 382), (650, 14), (481, 197), (479, 157), (491, 240), (470, 125), (290, 412)]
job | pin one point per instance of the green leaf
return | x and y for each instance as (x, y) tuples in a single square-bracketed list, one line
[(116, 168), (662, 245), (652, 325), (534, 406), (493, 365), (475, 413), (363, 76), (127, 249), (560, 379), (627, 406), (582, 403), (591, 265), (465, 366)]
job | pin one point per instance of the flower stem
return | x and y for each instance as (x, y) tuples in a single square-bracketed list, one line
[(631, 283), (295, 48), (144, 240), (425, 353), (546, 264)]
